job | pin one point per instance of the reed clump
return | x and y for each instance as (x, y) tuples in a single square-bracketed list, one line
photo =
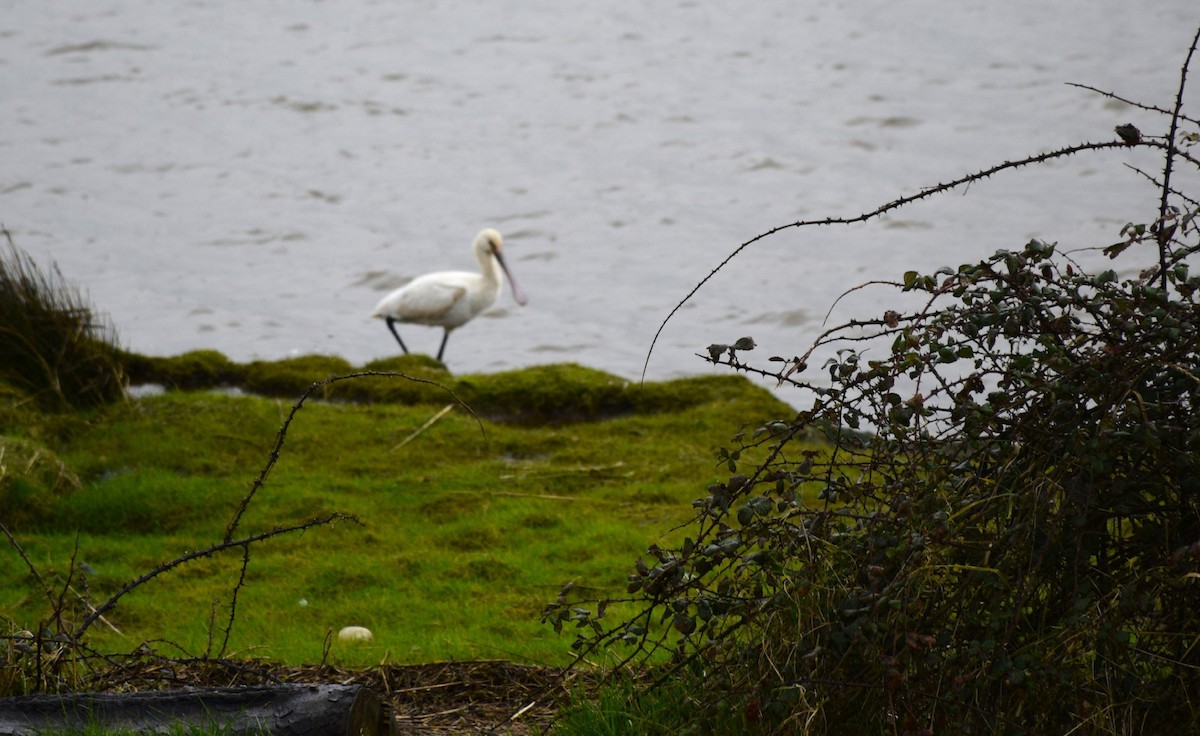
[(54, 347)]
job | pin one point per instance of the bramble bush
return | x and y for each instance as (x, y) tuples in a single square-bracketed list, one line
[(1003, 534)]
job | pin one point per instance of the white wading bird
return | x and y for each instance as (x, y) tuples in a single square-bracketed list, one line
[(450, 299)]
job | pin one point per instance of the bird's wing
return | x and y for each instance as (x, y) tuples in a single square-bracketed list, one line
[(427, 302)]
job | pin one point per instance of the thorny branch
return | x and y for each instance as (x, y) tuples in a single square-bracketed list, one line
[(1164, 231), (902, 201), (198, 554)]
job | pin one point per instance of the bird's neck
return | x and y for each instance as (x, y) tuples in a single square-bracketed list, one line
[(489, 267)]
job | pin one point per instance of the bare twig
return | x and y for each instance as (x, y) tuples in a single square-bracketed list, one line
[(893, 205), (1140, 105), (234, 600)]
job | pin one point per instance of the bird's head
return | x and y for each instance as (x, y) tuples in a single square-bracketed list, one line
[(489, 243)]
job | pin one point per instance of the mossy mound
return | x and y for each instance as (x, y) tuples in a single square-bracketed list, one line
[(433, 382), (548, 393), (412, 364), (193, 370), (560, 393), (292, 376), (567, 392)]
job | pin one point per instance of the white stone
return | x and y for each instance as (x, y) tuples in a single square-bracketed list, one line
[(355, 633)]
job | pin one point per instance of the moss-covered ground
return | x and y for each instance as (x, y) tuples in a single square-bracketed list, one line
[(467, 528)]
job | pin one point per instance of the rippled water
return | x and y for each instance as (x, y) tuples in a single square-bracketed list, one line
[(251, 176)]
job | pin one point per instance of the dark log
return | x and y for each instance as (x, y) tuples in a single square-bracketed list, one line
[(284, 710)]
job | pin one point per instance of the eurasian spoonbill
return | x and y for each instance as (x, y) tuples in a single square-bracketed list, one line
[(450, 299)]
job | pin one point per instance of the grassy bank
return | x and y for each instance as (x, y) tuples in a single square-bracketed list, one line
[(467, 529)]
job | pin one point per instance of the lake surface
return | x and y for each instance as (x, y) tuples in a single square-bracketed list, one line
[(253, 176)]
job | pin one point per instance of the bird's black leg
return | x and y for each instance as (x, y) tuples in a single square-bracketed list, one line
[(442, 349), (391, 325)]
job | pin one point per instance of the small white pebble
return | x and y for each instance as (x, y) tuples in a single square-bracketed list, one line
[(355, 633)]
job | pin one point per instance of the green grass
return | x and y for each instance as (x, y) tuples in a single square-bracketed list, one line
[(465, 535), (624, 708)]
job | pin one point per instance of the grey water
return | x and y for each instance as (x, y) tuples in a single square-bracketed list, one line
[(252, 176)]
